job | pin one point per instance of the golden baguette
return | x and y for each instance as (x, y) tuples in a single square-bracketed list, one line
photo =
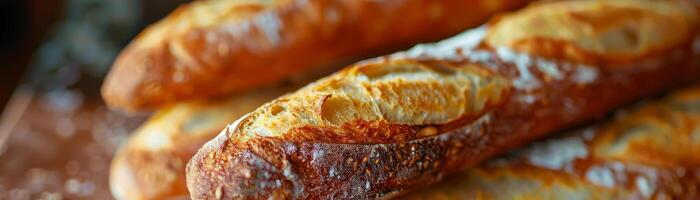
[(647, 152), (151, 165), (218, 47), (384, 126)]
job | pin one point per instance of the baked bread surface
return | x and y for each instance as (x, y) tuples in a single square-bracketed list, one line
[(615, 31), (219, 47), (151, 164), (384, 126), (646, 152)]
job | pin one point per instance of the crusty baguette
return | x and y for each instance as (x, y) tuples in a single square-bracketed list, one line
[(647, 152), (151, 165), (381, 127), (217, 47)]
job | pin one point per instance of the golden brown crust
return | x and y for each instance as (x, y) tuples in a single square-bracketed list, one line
[(649, 152), (615, 31), (501, 98), (218, 47), (151, 165), (144, 174), (403, 95)]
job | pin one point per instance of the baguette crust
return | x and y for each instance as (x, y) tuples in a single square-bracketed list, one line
[(649, 152), (595, 33), (219, 47), (151, 165), (287, 149)]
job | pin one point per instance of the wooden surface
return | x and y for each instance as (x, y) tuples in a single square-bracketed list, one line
[(55, 144), (59, 145)]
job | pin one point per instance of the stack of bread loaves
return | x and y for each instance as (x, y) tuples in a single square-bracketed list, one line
[(212, 61), (398, 125)]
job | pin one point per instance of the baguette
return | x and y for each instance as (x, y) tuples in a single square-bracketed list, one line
[(384, 126), (219, 47), (151, 165), (647, 152)]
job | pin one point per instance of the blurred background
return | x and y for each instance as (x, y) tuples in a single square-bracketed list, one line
[(56, 135)]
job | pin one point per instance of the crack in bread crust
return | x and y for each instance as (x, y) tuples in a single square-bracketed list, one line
[(398, 97)]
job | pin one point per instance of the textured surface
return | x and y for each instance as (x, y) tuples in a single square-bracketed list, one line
[(647, 152), (151, 165), (371, 148), (397, 92), (595, 32), (216, 47)]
